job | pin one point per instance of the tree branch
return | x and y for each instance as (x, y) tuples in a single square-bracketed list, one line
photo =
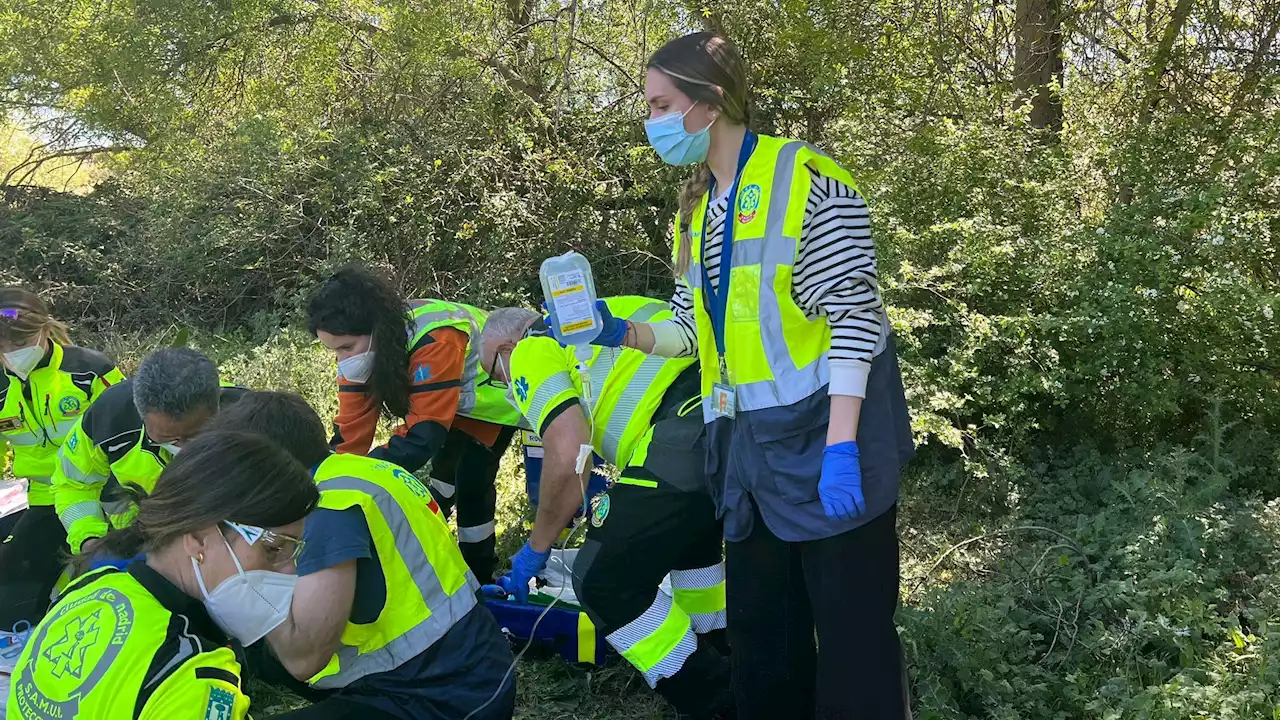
[(1154, 74), (600, 53), (31, 165)]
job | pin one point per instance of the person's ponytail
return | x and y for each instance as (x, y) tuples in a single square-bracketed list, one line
[(58, 331), (690, 195), (125, 542)]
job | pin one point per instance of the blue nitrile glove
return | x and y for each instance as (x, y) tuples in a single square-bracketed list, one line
[(493, 591), (840, 488), (524, 566), (612, 332)]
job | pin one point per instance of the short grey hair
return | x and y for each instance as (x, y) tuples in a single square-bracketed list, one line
[(507, 323), (175, 381)]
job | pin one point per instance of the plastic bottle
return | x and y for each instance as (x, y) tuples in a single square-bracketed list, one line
[(570, 292)]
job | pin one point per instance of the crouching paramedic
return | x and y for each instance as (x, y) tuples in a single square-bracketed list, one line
[(641, 414), (157, 641), (385, 622), (46, 383), (415, 360), (122, 442)]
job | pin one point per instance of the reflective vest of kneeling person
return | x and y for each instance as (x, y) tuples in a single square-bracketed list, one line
[(126, 644), (447, 389), (108, 451), (657, 518), (417, 636)]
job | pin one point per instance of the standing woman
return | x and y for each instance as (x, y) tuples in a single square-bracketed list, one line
[(415, 360), (777, 294), (46, 384), (155, 641)]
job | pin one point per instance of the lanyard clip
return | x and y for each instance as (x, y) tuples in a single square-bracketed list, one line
[(724, 370)]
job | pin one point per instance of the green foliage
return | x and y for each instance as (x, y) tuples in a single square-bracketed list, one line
[(455, 145), (1157, 600), (1110, 285)]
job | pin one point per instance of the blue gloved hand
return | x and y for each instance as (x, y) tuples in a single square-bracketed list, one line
[(524, 566), (613, 330), (493, 591), (840, 488)]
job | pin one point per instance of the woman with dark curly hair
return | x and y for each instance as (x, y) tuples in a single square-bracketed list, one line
[(414, 360)]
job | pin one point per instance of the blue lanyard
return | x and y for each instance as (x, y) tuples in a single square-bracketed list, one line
[(718, 301)]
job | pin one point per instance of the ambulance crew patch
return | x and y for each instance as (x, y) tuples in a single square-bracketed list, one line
[(71, 652)]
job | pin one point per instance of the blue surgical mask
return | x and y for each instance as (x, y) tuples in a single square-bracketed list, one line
[(675, 145)]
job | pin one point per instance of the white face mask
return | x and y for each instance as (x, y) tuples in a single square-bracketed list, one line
[(248, 605), (23, 360), (357, 368), (510, 395), (172, 448)]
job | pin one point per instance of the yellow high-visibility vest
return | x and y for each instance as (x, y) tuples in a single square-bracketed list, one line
[(428, 585), (774, 353)]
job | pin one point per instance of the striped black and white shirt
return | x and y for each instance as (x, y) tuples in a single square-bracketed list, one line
[(834, 277)]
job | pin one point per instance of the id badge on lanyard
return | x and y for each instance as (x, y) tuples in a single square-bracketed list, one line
[(724, 396)]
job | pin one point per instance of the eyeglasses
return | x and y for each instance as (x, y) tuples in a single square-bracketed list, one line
[(490, 381), (274, 543)]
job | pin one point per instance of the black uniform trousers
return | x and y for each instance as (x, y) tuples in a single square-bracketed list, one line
[(31, 560), (659, 518), (845, 587)]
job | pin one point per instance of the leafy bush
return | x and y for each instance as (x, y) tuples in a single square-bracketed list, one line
[(1117, 589)]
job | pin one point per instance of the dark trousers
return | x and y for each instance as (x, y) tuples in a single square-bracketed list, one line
[(464, 473), (844, 587), (31, 559), (646, 533)]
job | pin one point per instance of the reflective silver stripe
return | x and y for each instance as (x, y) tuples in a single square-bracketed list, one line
[(445, 610), (476, 533), (701, 579), (117, 507), (627, 636), (24, 439), (546, 391), (628, 400), (693, 276), (471, 367), (72, 471), (648, 311), (436, 317), (76, 512), (445, 489), (40, 479), (698, 579)]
